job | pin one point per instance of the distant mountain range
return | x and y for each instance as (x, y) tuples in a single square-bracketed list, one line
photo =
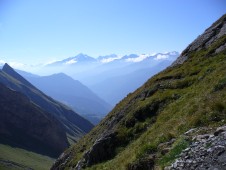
[(72, 93), (80, 58), (106, 79), (92, 86), (32, 120), (83, 58), (112, 77)]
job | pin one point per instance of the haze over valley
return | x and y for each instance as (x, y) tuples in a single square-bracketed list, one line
[(112, 85)]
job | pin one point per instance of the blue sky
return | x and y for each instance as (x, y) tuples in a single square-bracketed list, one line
[(37, 31)]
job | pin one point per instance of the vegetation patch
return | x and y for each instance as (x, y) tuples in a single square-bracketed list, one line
[(178, 147), (165, 107), (23, 158), (146, 149), (220, 85)]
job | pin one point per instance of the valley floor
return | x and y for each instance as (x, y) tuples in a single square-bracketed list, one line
[(15, 158)]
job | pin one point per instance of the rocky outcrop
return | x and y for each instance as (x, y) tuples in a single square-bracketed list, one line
[(61, 161), (207, 151), (144, 163), (211, 35), (102, 150)]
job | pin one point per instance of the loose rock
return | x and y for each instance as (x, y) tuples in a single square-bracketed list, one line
[(205, 152)]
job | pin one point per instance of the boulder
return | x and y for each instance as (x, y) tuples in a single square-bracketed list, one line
[(220, 130), (102, 149), (144, 164)]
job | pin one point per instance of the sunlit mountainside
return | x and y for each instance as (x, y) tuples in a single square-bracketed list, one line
[(112, 85), (147, 129)]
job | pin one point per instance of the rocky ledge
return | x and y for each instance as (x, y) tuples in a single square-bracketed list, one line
[(207, 151), (211, 35)]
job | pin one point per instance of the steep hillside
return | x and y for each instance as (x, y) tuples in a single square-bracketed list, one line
[(144, 130), (73, 125), (72, 93), (114, 89), (24, 125)]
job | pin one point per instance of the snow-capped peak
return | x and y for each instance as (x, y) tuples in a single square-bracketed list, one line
[(132, 58), (138, 59), (109, 58), (72, 61), (166, 55)]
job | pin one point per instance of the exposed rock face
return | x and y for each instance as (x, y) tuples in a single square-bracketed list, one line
[(102, 149), (207, 151), (144, 164), (60, 162), (212, 34)]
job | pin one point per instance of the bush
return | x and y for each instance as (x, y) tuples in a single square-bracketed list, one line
[(219, 107), (221, 84)]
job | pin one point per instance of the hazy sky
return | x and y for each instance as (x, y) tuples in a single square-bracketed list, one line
[(36, 31)]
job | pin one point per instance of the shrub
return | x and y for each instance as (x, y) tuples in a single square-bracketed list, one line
[(221, 84)]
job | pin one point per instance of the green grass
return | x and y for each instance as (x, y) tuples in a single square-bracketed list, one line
[(178, 147), (23, 157), (173, 101)]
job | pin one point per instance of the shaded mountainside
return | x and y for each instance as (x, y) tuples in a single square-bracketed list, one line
[(144, 130), (33, 121), (24, 125), (73, 93), (74, 124)]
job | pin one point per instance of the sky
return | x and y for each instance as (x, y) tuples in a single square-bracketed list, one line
[(40, 31)]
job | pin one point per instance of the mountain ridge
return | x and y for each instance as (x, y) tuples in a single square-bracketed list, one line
[(136, 134), (72, 124), (108, 58), (25, 125), (74, 94)]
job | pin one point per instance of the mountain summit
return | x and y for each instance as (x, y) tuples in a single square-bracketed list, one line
[(80, 58), (35, 110), (146, 129), (85, 59), (10, 71)]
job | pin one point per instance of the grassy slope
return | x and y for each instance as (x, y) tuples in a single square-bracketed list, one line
[(188, 95), (202, 102), (23, 157)]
